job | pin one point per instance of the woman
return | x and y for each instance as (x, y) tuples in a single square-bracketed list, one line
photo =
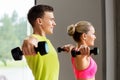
[(83, 34)]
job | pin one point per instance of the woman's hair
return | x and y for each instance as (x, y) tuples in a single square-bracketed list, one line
[(37, 11), (76, 30)]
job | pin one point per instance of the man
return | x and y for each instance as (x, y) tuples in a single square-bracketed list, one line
[(43, 67)]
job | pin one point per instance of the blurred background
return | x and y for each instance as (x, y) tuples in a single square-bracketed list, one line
[(13, 29)]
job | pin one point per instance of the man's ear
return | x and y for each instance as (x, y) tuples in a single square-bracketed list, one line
[(39, 21)]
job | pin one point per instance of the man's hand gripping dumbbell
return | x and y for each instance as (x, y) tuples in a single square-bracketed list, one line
[(42, 48)]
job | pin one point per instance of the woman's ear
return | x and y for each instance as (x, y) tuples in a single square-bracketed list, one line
[(84, 36)]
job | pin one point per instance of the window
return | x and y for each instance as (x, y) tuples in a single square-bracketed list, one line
[(13, 28)]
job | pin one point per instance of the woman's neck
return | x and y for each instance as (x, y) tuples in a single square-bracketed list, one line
[(81, 43)]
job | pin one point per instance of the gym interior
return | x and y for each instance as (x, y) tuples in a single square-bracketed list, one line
[(105, 17)]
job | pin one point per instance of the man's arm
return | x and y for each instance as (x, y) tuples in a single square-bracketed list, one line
[(28, 46)]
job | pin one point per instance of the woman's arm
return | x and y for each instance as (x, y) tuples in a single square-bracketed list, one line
[(82, 61)]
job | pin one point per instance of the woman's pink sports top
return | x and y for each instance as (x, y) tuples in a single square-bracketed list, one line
[(86, 73)]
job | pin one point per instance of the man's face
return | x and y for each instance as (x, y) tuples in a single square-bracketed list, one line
[(48, 22)]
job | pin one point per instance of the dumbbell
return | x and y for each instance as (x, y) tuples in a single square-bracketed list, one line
[(94, 51), (59, 49), (42, 48), (74, 53)]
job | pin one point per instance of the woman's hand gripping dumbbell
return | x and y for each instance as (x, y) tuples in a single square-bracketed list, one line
[(74, 53), (42, 48)]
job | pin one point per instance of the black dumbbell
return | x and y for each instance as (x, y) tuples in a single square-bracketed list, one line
[(59, 49), (42, 48), (74, 53), (94, 51)]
